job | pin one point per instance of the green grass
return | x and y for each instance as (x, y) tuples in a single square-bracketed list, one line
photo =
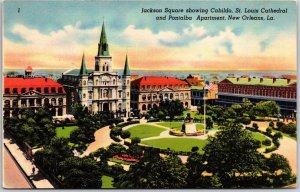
[(144, 131), (119, 161), (107, 182), (284, 134), (260, 137), (66, 132), (177, 144), (177, 125)]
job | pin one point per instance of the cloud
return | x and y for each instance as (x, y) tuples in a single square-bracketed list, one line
[(194, 31), (192, 48)]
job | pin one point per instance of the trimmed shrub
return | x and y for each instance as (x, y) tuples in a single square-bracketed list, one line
[(267, 142)]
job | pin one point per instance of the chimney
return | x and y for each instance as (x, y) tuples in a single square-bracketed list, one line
[(274, 80), (261, 80), (249, 79), (288, 81)]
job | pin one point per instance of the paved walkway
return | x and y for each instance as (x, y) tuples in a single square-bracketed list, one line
[(287, 148), (102, 139), (38, 179), (13, 177)]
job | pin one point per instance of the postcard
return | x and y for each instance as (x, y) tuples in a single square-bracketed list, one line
[(149, 94)]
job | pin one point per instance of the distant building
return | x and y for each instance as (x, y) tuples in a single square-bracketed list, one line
[(282, 91), (148, 91), (197, 94), (33, 92), (100, 89), (193, 80)]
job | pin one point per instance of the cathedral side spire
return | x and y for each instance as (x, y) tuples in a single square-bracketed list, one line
[(126, 71), (83, 70)]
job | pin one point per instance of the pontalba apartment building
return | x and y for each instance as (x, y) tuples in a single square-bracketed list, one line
[(282, 91), (148, 91), (100, 89), (29, 92)]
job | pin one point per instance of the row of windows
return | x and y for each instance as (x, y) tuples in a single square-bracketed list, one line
[(149, 106), (38, 89), (154, 87), (273, 93), (33, 102), (166, 96)]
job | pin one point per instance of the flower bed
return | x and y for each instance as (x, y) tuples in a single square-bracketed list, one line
[(126, 157)]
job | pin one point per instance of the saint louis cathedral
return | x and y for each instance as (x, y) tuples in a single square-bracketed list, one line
[(100, 89)]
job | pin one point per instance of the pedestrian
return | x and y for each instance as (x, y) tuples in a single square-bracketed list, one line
[(33, 170)]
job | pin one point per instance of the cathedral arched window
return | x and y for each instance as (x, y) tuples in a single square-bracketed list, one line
[(103, 68), (106, 67), (114, 81)]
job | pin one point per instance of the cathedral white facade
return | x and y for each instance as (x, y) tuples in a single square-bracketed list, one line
[(100, 89)]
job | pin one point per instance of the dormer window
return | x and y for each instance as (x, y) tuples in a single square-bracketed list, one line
[(23, 90), (7, 91)]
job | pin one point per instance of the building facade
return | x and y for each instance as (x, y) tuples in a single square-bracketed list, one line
[(29, 92), (100, 89), (282, 91), (197, 95), (147, 92)]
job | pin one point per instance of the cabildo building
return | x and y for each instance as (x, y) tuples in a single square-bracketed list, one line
[(100, 89)]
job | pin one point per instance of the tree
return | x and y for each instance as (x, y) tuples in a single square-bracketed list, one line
[(209, 123), (255, 126), (168, 172), (167, 108), (271, 124), (231, 153), (125, 134), (135, 140), (196, 167), (266, 108), (80, 173), (279, 169), (54, 153), (79, 111)]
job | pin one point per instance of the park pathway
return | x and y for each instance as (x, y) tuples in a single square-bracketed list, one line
[(102, 139), (288, 148)]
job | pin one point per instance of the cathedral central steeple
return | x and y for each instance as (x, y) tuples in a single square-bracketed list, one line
[(103, 49)]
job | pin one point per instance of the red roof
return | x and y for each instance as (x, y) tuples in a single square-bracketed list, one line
[(156, 80), (29, 68), (34, 83), (193, 81)]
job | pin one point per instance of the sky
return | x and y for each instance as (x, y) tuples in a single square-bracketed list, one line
[(54, 35)]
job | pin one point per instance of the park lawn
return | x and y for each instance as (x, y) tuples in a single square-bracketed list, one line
[(66, 132), (177, 144), (107, 182), (260, 137), (144, 131)]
